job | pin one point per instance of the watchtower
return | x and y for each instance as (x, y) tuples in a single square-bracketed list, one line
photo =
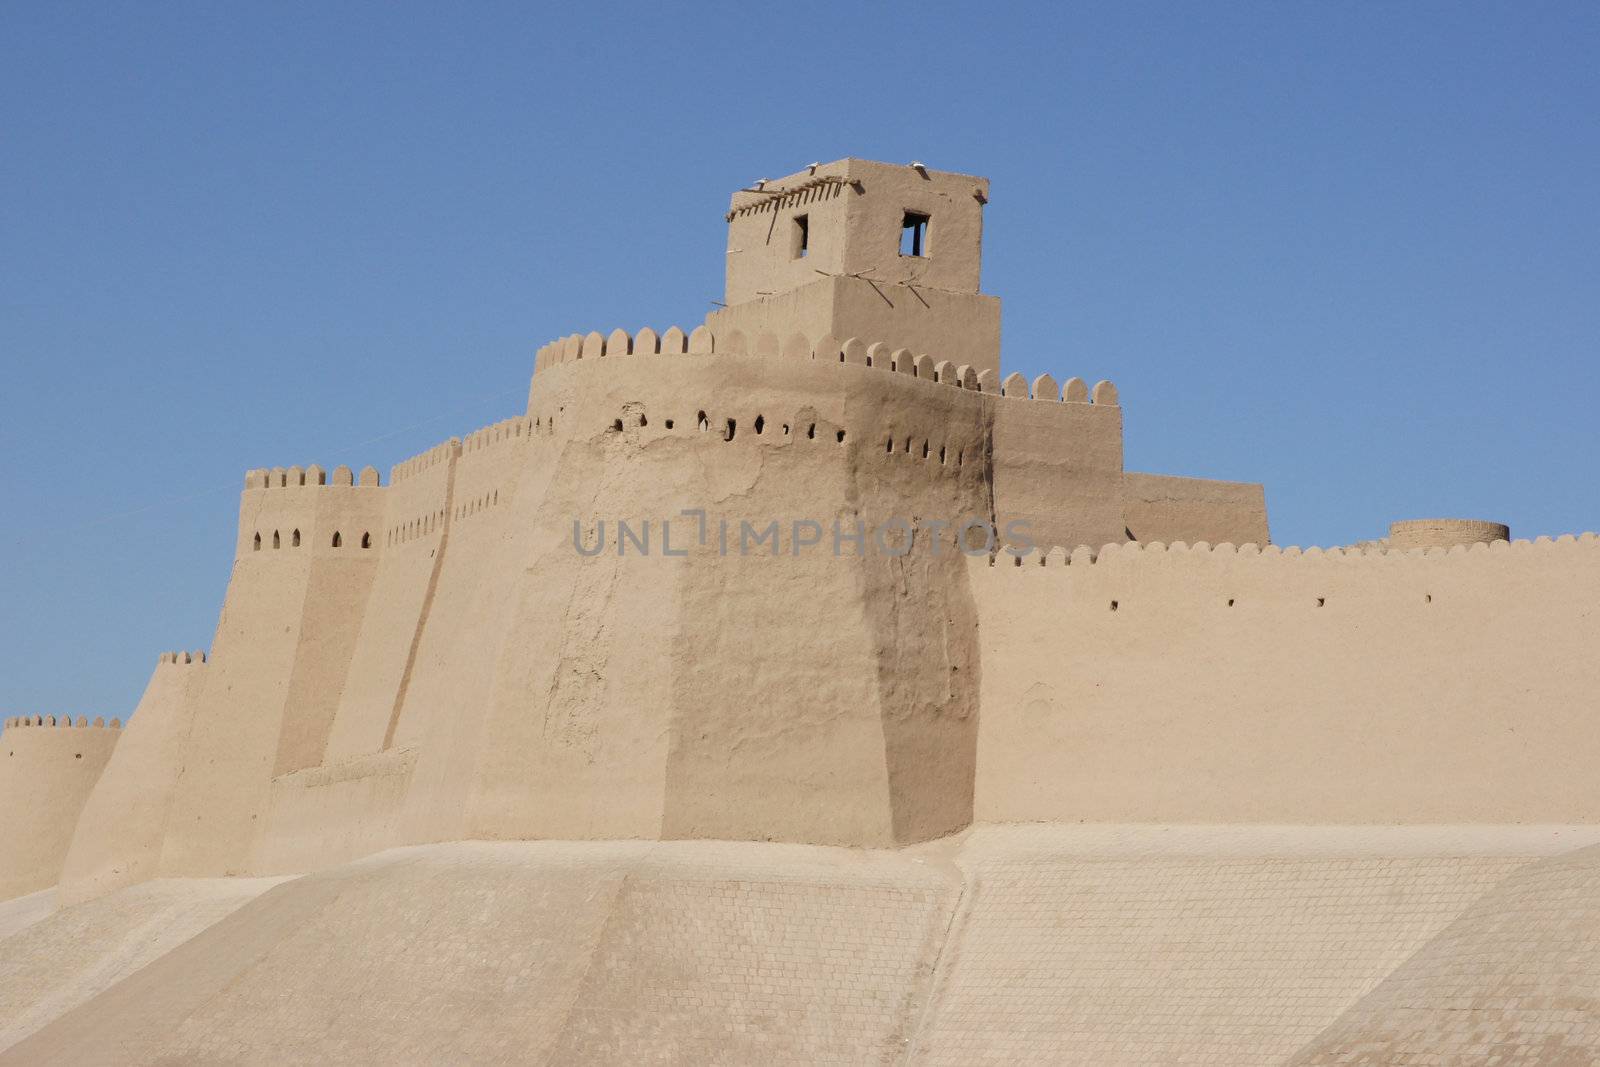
[(876, 251)]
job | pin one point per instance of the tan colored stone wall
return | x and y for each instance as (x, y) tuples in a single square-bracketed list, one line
[(119, 836), (630, 663), (1445, 533), (1200, 685), (547, 695), (277, 664), (961, 327), (340, 811), (415, 518), (47, 772), (1159, 507), (1058, 463)]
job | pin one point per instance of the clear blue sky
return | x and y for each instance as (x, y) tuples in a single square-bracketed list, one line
[(1351, 250)]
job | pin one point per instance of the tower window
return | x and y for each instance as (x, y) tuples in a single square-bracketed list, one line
[(800, 238), (914, 234)]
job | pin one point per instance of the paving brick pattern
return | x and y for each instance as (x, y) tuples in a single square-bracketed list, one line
[(1515, 981), (1016, 945), (1148, 960), (702, 969)]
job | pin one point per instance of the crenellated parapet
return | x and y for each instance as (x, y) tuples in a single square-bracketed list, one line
[(1056, 449), (1135, 553), (1223, 683), (419, 494), (1071, 391), (289, 508), (425, 461), (48, 766), (827, 349), (312, 476), (506, 431), (82, 722)]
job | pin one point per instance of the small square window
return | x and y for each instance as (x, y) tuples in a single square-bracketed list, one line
[(914, 234), (800, 238)]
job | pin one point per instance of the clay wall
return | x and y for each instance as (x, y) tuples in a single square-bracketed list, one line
[(855, 209), (962, 327), (853, 279), (1179, 684), (1165, 508), (1445, 533), (278, 661), (607, 643), (416, 516), (470, 612), (430, 616), (763, 239), (119, 835), (1058, 461), (47, 770)]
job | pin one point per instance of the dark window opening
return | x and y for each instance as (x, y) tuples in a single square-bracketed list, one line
[(914, 234), (337, 540), (277, 542), (840, 437), (731, 429), (800, 238), (761, 423), (669, 424), (616, 425), (366, 540), (258, 542), (811, 434), (705, 423)]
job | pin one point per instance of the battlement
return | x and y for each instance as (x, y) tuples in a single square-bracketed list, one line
[(276, 512), (64, 722), (181, 659), (293, 477), (504, 431), (1130, 553), (825, 349), (425, 461)]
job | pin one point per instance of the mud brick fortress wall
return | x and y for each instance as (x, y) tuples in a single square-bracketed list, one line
[(1253, 684), (432, 659), (49, 769)]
